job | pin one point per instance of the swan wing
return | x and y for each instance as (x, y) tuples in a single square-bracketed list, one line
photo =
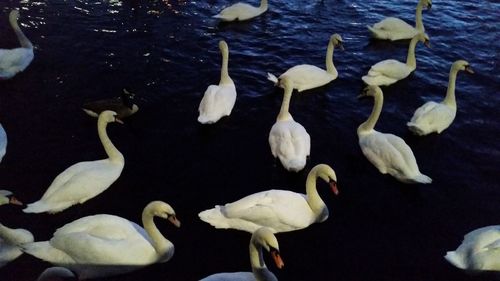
[(307, 76), (393, 29), (238, 11), (433, 116), (381, 153), (390, 68), (13, 61), (230, 276), (290, 142), (218, 101), (409, 164)]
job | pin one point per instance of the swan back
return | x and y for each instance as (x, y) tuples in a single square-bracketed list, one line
[(55, 273)]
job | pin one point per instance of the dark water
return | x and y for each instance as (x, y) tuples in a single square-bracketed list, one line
[(166, 52)]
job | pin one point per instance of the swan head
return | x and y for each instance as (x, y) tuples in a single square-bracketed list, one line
[(7, 198), (223, 46), (327, 174), (265, 238), (370, 91), (14, 15), (108, 116), (462, 65), (128, 98), (424, 38), (427, 4), (56, 273), (162, 210), (336, 40)]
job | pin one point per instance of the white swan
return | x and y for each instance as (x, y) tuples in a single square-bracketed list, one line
[(104, 245), (279, 210), (480, 250), (241, 11), (389, 71), (261, 238), (84, 180), (396, 29), (289, 140), (218, 100), (10, 242), (306, 76), (15, 60), (55, 273), (3, 142), (389, 153), (436, 117), (7, 198)]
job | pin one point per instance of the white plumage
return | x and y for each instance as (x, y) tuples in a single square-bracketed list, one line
[(480, 250), (55, 273), (242, 11), (85, 180), (389, 71), (436, 117), (388, 153), (218, 100), (306, 76), (11, 241), (393, 29), (105, 245), (279, 210), (13, 61), (3, 142)]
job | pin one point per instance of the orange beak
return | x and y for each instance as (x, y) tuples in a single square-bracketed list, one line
[(333, 186), (174, 221), (14, 201), (277, 259)]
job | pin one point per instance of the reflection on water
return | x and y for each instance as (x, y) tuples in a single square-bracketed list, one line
[(166, 52)]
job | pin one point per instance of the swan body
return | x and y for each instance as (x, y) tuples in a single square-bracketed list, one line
[(289, 140), (7, 198), (10, 242), (55, 273), (436, 117), (279, 210), (3, 143), (390, 71), (261, 238), (242, 11), (123, 106), (305, 76), (13, 61), (393, 29), (218, 100), (84, 180), (387, 152), (480, 250), (104, 245)]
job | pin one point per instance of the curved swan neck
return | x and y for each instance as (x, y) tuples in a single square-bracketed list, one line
[(224, 72), (313, 199), (450, 92), (23, 40), (263, 5), (419, 25), (330, 68), (285, 105), (164, 248), (369, 124), (410, 59), (259, 268), (113, 153)]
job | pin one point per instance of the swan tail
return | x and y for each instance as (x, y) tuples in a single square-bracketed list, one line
[(41, 207), (215, 217), (415, 129), (422, 179), (455, 259), (294, 165), (204, 119), (44, 251), (271, 77), (368, 80)]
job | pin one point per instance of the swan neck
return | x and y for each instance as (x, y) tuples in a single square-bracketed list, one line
[(410, 59), (285, 105), (369, 124), (263, 5), (450, 92), (224, 72), (313, 199), (259, 268), (330, 68), (112, 152), (419, 25), (23, 40), (164, 248)]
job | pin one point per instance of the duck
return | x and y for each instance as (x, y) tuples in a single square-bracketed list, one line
[(387, 152), (56, 273), (242, 11), (218, 100), (433, 117), (7, 198), (105, 245), (3, 142), (262, 238), (394, 29), (479, 251), (306, 76), (390, 71), (13, 61), (279, 210), (123, 106), (288, 139), (11, 241), (84, 180)]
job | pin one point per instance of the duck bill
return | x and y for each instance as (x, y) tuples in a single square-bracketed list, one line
[(174, 221), (277, 259), (14, 201), (333, 186)]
